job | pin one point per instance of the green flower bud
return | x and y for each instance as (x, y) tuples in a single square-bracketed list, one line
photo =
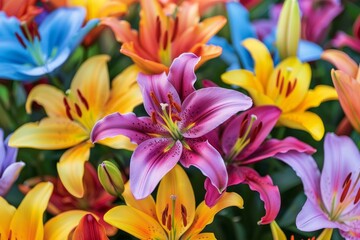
[(110, 178)]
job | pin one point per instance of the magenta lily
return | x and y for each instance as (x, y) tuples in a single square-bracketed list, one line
[(333, 197), (242, 141), (179, 119), (342, 39)]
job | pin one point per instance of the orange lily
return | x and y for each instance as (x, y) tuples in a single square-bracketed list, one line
[(71, 117), (286, 86), (24, 10), (165, 33), (347, 83), (203, 4), (173, 216), (25, 222)]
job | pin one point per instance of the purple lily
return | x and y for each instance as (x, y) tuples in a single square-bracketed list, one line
[(333, 197), (242, 141), (9, 169), (179, 119)]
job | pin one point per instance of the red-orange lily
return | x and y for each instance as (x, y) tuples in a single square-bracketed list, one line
[(347, 84), (173, 216), (24, 10), (203, 4), (165, 33), (71, 117)]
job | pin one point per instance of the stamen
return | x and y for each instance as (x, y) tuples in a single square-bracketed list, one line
[(21, 41), (175, 117), (278, 78), (243, 125), (165, 40), (164, 214), (153, 117), (345, 191), (357, 198), (347, 179), (78, 110), (158, 29), (176, 106), (67, 109), (184, 215), (154, 98), (168, 224), (256, 132), (83, 99), (175, 29), (290, 87), (281, 84)]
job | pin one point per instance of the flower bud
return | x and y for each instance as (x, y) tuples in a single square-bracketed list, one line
[(110, 178)]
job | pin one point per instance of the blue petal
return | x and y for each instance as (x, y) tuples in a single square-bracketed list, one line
[(78, 37), (228, 54), (309, 51)]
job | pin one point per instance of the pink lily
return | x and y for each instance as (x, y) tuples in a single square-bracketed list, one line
[(241, 142), (342, 39), (179, 119), (333, 196)]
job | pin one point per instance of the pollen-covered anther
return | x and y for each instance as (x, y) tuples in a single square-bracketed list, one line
[(184, 215), (153, 117), (67, 109), (175, 29), (83, 99), (346, 187), (165, 214), (357, 197), (290, 87), (158, 29), (154, 98)]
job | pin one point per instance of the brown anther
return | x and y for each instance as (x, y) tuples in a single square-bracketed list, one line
[(243, 126), (175, 29), (21, 41), (154, 98), (173, 103), (290, 87), (67, 109), (357, 197), (278, 78), (345, 190), (346, 179), (165, 40), (281, 85), (175, 117), (153, 117), (184, 215), (168, 224), (158, 29), (83, 99), (78, 110), (164, 214), (256, 132), (35, 30)]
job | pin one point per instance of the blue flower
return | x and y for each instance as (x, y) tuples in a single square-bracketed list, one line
[(9, 169), (236, 56), (26, 54)]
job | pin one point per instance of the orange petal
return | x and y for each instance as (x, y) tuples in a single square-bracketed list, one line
[(51, 98), (121, 29), (7, 212), (175, 200), (135, 222), (206, 52), (27, 222), (49, 133), (204, 236), (71, 168), (89, 229), (341, 61)]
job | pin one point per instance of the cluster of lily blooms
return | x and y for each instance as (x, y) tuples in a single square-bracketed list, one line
[(220, 131)]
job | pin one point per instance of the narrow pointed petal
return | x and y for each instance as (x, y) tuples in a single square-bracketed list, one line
[(307, 121), (269, 193), (305, 167), (137, 129), (276, 231), (341, 61), (89, 229), (312, 218), (7, 212), (49, 133), (158, 87), (244, 79), (176, 194), (71, 168), (313, 98), (326, 234), (50, 98), (150, 162), (145, 205), (135, 222), (208, 160), (274, 146), (92, 80), (182, 74), (9, 176), (27, 222), (263, 63), (199, 118), (60, 226), (341, 158), (205, 215)]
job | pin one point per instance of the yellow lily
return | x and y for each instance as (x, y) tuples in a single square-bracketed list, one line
[(173, 216), (347, 83), (26, 222), (286, 86), (71, 117), (278, 234)]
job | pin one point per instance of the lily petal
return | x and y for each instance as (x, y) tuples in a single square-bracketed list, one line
[(208, 160), (50, 98), (7, 212), (269, 193), (276, 231), (27, 222), (118, 142), (151, 160), (244, 79), (92, 80), (182, 74), (175, 195), (60, 226), (49, 133), (89, 229), (204, 236), (199, 118), (205, 215), (9, 176), (307, 121), (321, 93), (341, 61), (263, 63), (136, 223), (71, 168)]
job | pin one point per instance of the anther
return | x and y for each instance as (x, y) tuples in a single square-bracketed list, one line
[(345, 190), (154, 98), (165, 40), (78, 110), (357, 197), (153, 117), (83, 99), (243, 125), (164, 214), (278, 78), (168, 224), (21, 41), (184, 215), (175, 29), (67, 109), (347, 179), (158, 28)]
